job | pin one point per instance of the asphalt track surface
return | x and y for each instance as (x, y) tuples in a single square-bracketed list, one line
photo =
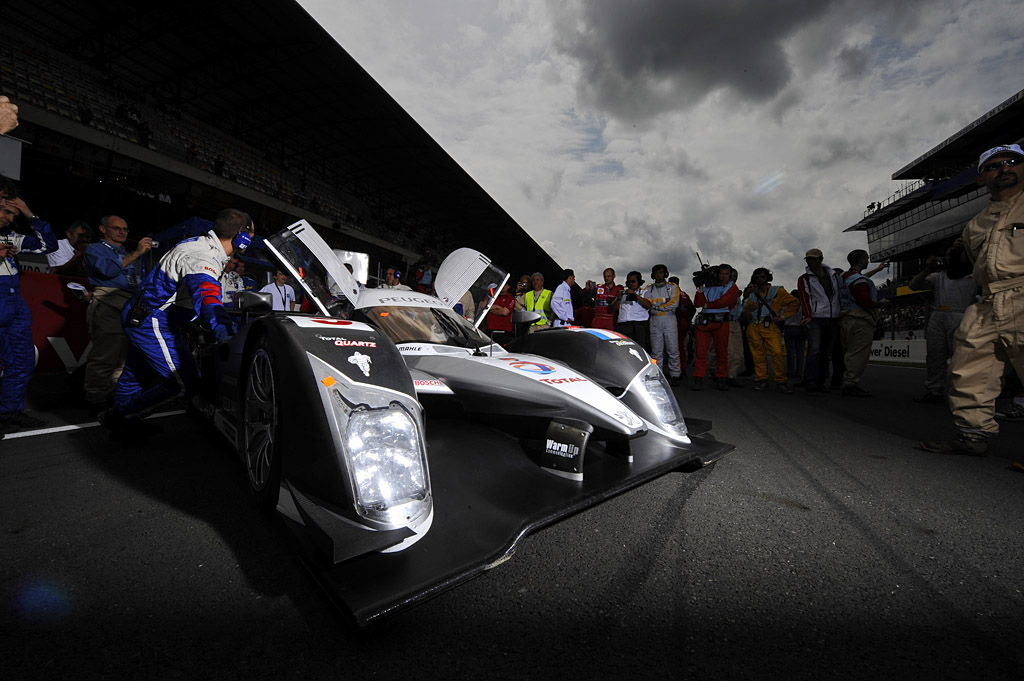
[(825, 546)]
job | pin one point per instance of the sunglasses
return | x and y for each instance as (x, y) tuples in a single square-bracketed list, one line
[(996, 165)]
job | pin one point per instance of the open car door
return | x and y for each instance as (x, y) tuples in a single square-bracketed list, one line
[(312, 263), (468, 271)]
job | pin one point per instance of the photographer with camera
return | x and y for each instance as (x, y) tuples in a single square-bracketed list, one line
[(114, 274), (716, 294), (950, 297), (766, 310), (664, 297), (630, 311)]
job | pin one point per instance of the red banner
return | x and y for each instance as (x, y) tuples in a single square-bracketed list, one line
[(58, 321)]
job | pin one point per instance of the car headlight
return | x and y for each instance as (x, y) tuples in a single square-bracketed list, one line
[(664, 404), (386, 463)]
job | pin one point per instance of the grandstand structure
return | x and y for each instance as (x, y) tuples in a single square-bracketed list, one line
[(163, 110), (939, 195)]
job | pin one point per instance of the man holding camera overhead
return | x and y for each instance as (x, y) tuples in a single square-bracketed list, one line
[(716, 294)]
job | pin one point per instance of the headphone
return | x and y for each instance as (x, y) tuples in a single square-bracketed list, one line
[(243, 239)]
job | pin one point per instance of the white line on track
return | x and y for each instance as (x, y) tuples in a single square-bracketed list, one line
[(78, 426)]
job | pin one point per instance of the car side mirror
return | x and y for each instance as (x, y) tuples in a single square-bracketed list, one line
[(525, 316), (251, 301)]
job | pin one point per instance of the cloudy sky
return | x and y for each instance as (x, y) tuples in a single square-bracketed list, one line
[(628, 132)]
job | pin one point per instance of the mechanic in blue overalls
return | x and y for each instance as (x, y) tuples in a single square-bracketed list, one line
[(17, 353), (182, 287)]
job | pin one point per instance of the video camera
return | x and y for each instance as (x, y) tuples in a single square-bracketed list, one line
[(707, 276)]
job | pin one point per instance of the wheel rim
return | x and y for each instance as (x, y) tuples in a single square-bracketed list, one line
[(260, 420)]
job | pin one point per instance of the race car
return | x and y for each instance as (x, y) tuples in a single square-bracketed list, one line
[(406, 450)]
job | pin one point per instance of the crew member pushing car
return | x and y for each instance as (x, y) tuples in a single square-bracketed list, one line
[(182, 287)]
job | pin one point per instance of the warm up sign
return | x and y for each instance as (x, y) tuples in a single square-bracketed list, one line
[(902, 352)]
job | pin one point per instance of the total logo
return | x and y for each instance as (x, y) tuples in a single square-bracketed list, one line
[(531, 367), (346, 343), (556, 381)]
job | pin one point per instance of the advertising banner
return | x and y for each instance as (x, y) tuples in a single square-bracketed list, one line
[(902, 352), (58, 321)]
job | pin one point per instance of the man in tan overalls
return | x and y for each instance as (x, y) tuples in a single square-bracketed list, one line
[(991, 336)]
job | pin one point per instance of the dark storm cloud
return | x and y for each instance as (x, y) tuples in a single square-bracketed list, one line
[(853, 63), (827, 151), (641, 58)]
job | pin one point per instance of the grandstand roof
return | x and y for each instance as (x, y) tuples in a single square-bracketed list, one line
[(948, 169), (1002, 125), (265, 72)]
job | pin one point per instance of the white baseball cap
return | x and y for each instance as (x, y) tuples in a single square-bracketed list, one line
[(994, 151)]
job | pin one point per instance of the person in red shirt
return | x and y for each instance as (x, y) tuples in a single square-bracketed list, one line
[(498, 323), (604, 294)]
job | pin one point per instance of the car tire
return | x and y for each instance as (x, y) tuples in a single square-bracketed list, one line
[(261, 442)]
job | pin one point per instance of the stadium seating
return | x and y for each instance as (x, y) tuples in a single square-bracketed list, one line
[(51, 80)]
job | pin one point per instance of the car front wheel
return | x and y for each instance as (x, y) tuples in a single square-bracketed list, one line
[(261, 428)]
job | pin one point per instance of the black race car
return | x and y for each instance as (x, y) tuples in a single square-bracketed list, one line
[(405, 449)]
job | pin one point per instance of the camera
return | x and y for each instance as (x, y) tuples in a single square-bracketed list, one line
[(137, 313), (707, 276), (631, 296), (939, 263)]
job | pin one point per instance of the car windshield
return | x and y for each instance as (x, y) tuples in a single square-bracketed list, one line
[(425, 325)]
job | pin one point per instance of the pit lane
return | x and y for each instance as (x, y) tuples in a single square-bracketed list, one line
[(825, 542)]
